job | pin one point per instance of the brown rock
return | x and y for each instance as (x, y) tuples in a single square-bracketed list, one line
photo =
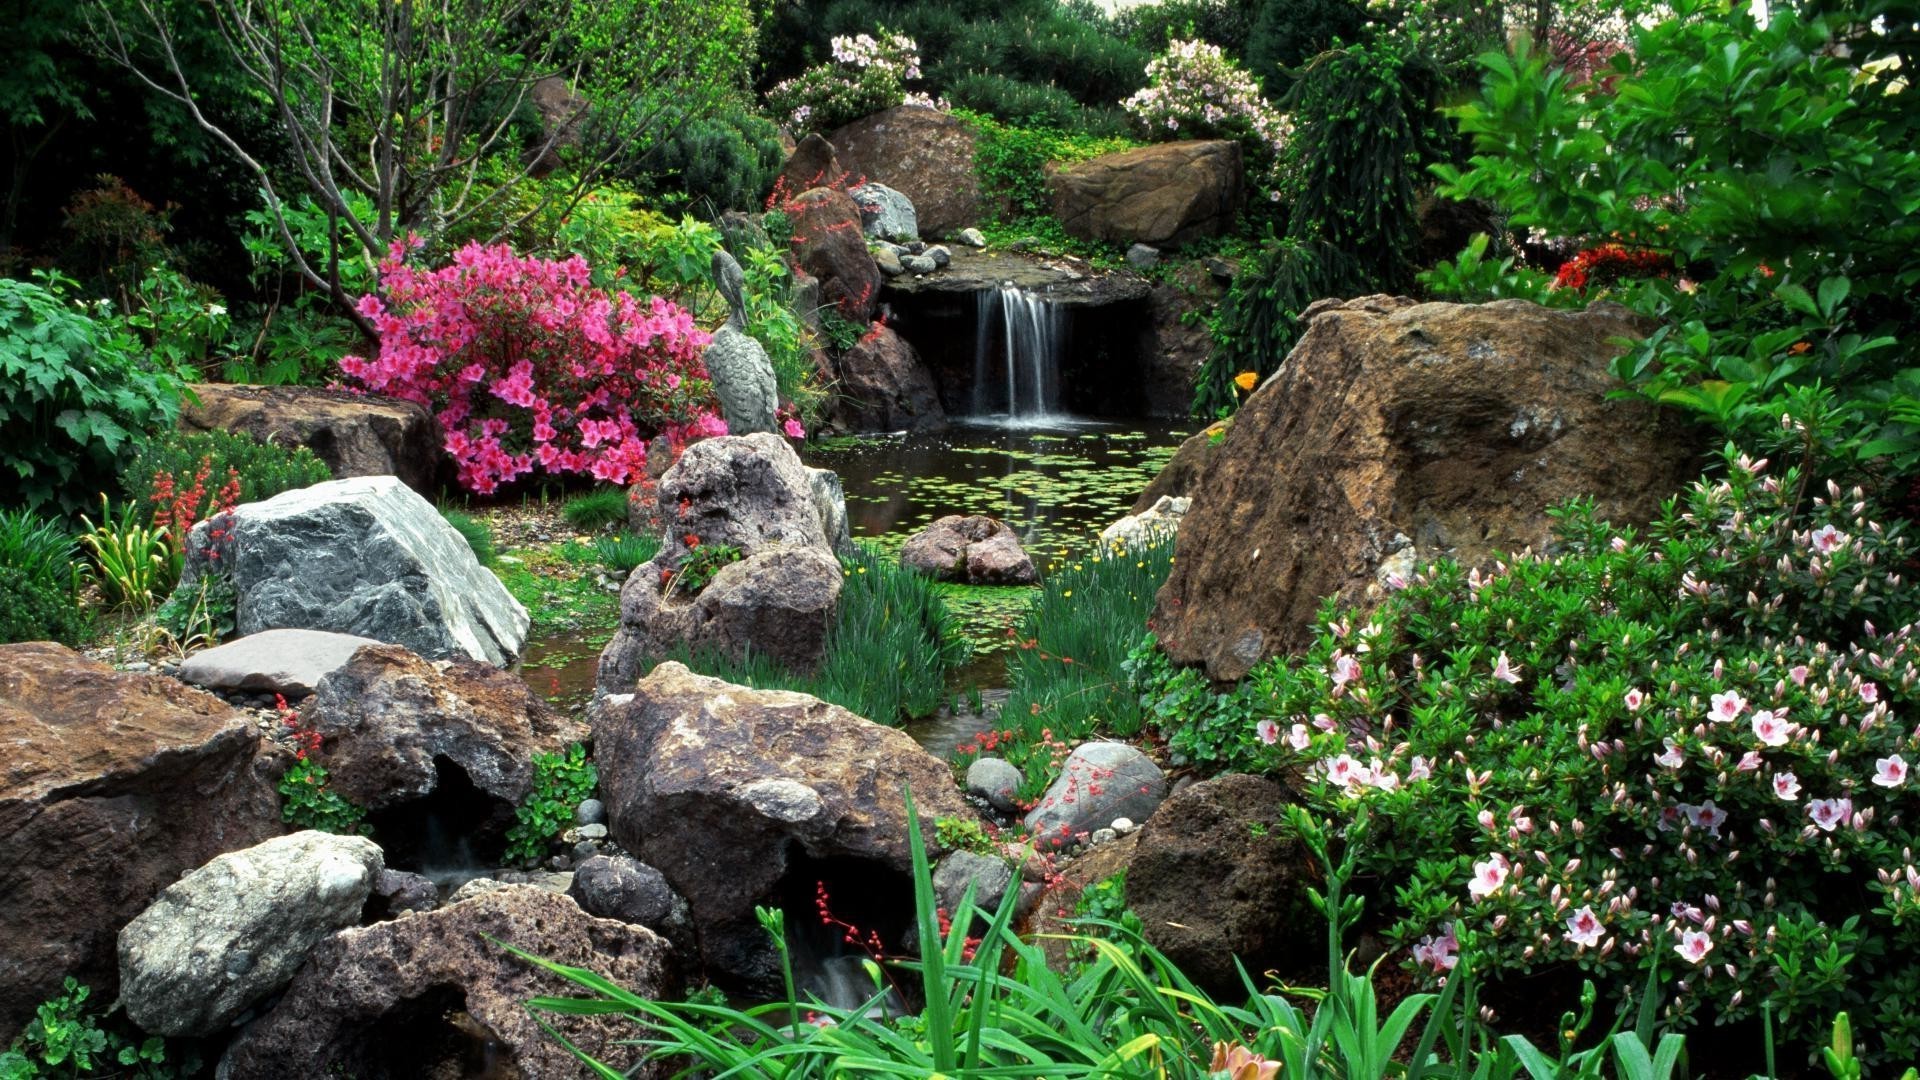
[(1066, 880), (1214, 879), (812, 164), (726, 789), (1455, 426), (355, 434), (1172, 348), (387, 714), (925, 154), (885, 387), (1164, 195), (974, 549), (828, 244), (428, 995), (112, 785), (1180, 477)]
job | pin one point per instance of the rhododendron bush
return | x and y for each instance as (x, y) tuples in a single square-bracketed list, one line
[(1686, 747), (531, 369), (1195, 91)]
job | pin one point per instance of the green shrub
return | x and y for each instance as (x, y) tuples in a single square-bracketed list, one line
[(887, 657), (1011, 160), (1771, 165), (1259, 321), (602, 508), (561, 781), (1652, 727), (307, 802), (622, 552), (76, 398), (715, 163), (1029, 105), (475, 532), (39, 548), (1152, 27), (1066, 674), (1288, 33), (65, 1039), (35, 609), (266, 469)]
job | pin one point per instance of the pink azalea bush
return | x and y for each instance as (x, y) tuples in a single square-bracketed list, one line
[(531, 369), (1687, 747), (867, 75), (1196, 91)]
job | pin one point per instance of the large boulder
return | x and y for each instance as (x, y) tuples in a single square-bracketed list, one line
[(885, 387), (885, 214), (828, 242), (288, 662), (432, 994), (1166, 195), (1214, 878), (365, 556), (355, 434), (1100, 783), (925, 154), (726, 790), (812, 164), (1181, 476), (971, 549), (1414, 430), (112, 785), (388, 718), (236, 929), (750, 493)]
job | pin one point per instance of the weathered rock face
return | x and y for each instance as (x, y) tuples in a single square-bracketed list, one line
[(1068, 282), (1207, 889), (885, 214), (812, 164), (1165, 195), (725, 789), (743, 380), (1453, 426), (236, 929), (751, 493), (289, 662), (428, 995), (828, 243), (1100, 782), (973, 549), (830, 498), (386, 715), (112, 785), (925, 154), (365, 556), (355, 434), (1172, 348), (616, 887), (885, 387)]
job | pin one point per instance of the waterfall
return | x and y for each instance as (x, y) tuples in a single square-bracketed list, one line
[(1027, 333)]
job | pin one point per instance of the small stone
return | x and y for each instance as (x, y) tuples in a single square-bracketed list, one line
[(940, 256), (972, 238), (1103, 836), (919, 264), (584, 850), (593, 832), (559, 863), (889, 262), (1123, 825), (995, 780), (1143, 256), (590, 812)]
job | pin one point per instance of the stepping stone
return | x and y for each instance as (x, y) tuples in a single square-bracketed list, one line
[(289, 662)]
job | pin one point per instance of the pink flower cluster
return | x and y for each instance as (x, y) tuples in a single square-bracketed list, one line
[(530, 368), (1195, 90)]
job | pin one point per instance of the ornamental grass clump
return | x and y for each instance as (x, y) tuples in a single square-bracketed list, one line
[(1685, 748), (530, 369)]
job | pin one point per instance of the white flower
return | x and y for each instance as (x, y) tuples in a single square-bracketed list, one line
[(1890, 772), (1727, 707), (1584, 928), (1672, 758), (1505, 670), (1268, 730), (1826, 539), (214, 311), (1694, 946), (1772, 730), (1786, 787), (1299, 737), (1829, 814), (1489, 876)]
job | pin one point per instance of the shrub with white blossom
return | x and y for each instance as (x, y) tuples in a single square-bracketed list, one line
[(867, 75), (1686, 747), (1196, 91)]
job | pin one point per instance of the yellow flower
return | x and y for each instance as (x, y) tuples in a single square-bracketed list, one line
[(1246, 379), (1067, 592)]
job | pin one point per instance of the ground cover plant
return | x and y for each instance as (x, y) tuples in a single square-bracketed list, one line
[(1683, 749)]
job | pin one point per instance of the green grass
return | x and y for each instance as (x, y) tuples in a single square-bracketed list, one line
[(600, 509), (887, 656), (38, 547), (560, 594), (1065, 672), (621, 552), (478, 536)]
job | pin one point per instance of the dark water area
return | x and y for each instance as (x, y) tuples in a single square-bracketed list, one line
[(1057, 481)]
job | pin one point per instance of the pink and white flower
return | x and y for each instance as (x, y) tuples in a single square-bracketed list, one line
[(1345, 669), (1786, 787), (1826, 539), (1584, 928), (1268, 730), (1829, 814), (1489, 876), (1727, 707), (1633, 699), (1772, 730), (1299, 737), (1672, 758), (1890, 771), (1438, 954), (1505, 670), (1798, 673), (1694, 946), (1419, 768), (1344, 771), (1705, 816), (1869, 693)]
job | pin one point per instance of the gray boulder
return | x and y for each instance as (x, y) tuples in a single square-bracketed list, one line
[(1157, 524), (996, 780), (830, 496), (919, 264), (750, 493), (237, 929), (1101, 781), (626, 889), (888, 259), (289, 662), (973, 549), (972, 237), (1143, 256), (885, 214), (366, 556), (401, 890), (988, 876)]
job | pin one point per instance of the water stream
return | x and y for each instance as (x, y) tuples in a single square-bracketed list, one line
[(1019, 338)]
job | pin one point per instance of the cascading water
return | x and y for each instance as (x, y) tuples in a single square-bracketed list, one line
[(1026, 333)]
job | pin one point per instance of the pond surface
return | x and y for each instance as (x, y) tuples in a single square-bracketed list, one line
[(1057, 482)]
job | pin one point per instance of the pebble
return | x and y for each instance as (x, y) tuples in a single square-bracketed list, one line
[(1103, 836), (1123, 825), (590, 812), (593, 832)]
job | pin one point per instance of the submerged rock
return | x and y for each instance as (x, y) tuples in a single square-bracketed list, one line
[(976, 550)]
